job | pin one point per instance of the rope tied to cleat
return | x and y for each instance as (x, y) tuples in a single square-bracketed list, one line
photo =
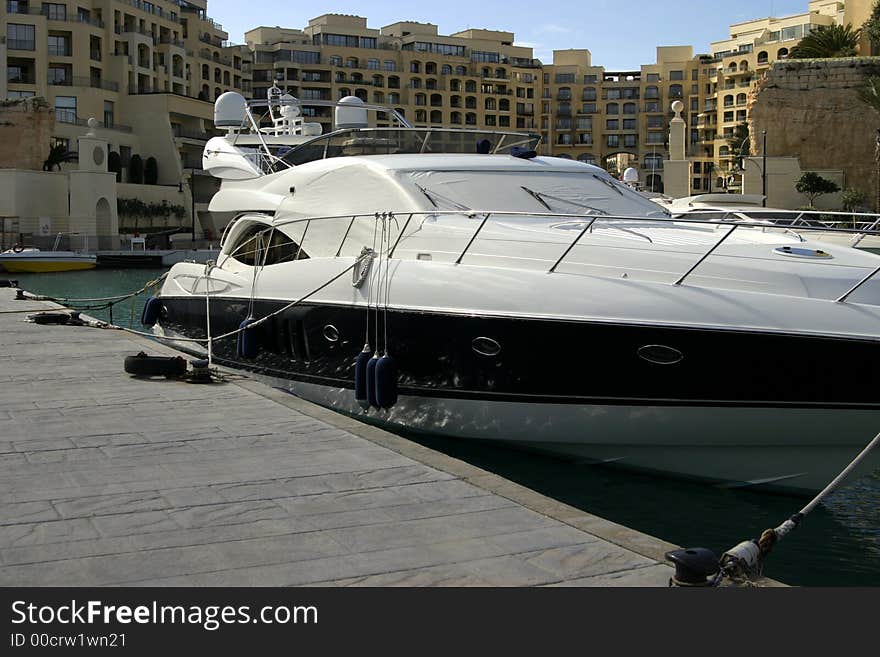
[(742, 563)]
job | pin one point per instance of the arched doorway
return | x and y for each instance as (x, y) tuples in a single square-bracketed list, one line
[(654, 183), (617, 163), (103, 224)]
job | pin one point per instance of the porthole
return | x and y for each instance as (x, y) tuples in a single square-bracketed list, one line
[(331, 333), (660, 354), (486, 346)]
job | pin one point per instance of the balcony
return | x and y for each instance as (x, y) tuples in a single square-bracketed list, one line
[(94, 83), (39, 11), (168, 41), (21, 44), (563, 95), (198, 135), (22, 79)]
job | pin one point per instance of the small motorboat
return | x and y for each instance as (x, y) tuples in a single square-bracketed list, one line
[(25, 259)]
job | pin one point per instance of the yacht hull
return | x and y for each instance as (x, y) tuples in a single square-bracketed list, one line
[(733, 408), (790, 450)]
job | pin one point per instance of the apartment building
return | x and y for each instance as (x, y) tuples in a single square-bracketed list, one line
[(472, 79), (147, 71)]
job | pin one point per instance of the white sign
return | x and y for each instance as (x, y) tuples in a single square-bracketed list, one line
[(45, 226)]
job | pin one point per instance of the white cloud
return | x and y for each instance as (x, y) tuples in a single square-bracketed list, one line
[(554, 29)]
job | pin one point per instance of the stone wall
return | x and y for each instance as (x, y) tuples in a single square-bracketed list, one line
[(26, 128), (811, 110)]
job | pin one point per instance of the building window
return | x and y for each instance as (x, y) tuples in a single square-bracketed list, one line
[(488, 57), (613, 141), (630, 141), (565, 78), (676, 75), (653, 77), (306, 57), (59, 75), (109, 120), (65, 109), (342, 40), (373, 64), (652, 107), (652, 92), (19, 94), (612, 108), (629, 124), (612, 124), (54, 12), (591, 79), (655, 121), (59, 45), (590, 93), (794, 32), (676, 91), (20, 37), (653, 162)]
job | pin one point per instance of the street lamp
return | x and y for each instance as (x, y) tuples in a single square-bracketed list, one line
[(764, 167), (192, 194)]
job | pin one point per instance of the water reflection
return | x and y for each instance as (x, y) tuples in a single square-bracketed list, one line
[(837, 545)]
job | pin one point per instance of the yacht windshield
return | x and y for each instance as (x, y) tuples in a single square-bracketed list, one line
[(552, 191), (390, 141)]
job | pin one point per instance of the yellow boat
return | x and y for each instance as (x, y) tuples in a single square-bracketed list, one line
[(36, 261)]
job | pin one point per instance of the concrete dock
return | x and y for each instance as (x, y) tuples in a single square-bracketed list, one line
[(110, 480)]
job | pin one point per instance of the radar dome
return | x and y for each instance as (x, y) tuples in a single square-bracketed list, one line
[(631, 175), (350, 113), (230, 110)]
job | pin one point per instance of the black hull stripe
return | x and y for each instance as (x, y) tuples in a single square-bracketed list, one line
[(543, 361), (475, 395)]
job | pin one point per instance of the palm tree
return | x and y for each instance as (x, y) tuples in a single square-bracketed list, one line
[(869, 93), (828, 41)]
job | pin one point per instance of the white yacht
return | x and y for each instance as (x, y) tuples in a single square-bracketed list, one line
[(856, 229), (531, 301)]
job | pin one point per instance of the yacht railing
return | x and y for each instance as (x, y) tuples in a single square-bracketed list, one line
[(590, 223), (865, 222)]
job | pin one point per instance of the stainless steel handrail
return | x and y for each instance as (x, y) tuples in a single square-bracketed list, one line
[(591, 222)]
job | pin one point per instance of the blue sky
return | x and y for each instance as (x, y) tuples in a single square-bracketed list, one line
[(620, 34)]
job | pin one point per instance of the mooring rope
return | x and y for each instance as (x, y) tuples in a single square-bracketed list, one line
[(746, 559)]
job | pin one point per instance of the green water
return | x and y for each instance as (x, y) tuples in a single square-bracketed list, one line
[(837, 545), (94, 283)]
